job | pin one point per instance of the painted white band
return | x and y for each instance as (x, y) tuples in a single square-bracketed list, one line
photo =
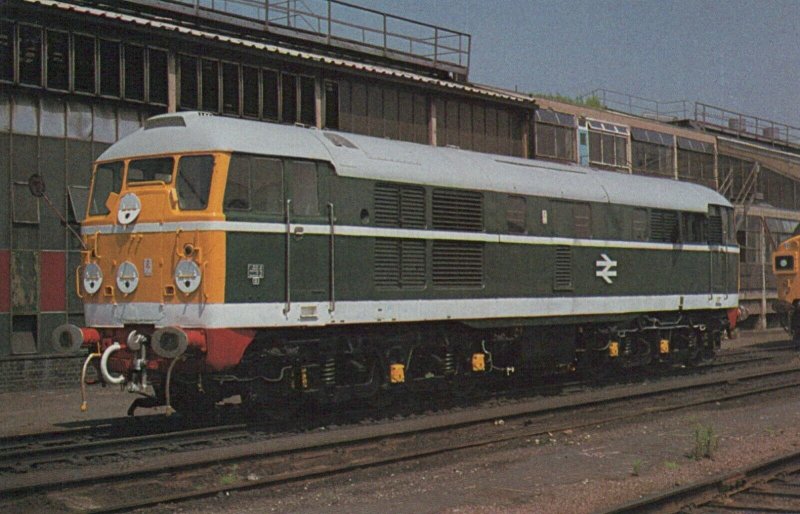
[(242, 315), (402, 233)]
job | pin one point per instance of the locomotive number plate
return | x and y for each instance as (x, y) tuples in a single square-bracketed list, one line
[(255, 272)]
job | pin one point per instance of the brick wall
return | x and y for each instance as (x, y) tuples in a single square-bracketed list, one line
[(37, 373)]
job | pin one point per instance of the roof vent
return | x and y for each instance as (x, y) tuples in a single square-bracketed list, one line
[(338, 140), (164, 121)]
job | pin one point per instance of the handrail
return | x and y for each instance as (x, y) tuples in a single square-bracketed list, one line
[(333, 20), (288, 257)]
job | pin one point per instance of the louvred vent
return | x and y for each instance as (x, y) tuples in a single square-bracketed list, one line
[(457, 210), (457, 264)]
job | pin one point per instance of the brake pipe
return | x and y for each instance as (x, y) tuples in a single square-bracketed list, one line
[(169, 410), (104, 365), (84, 403)]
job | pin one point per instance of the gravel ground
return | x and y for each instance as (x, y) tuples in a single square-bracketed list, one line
[(579, 471)]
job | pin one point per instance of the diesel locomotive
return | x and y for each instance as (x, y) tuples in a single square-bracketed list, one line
[(785, 269), (228, 257)]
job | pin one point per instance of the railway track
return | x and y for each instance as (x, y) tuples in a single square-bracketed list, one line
[(261, 462), (93, 444), (769, 486)]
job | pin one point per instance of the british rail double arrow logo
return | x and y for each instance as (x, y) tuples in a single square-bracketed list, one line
[(605, 268)]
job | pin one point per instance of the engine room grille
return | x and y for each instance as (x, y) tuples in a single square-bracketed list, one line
[(457, 210), (399, 263), (562, 272), (663, 225), (399, 206), (457, 264), (715, 230)]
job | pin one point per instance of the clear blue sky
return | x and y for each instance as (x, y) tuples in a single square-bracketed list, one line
[(739, 55)]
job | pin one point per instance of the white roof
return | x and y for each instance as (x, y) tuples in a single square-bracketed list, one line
[(399, 161)]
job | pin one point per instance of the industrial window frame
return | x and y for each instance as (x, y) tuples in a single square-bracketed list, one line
[(79, 59), (67, 63), (100, 61), (602, 153)]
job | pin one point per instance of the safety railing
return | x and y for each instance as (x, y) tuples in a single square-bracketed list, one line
[(746, 126), (339, 24), (638, 106)]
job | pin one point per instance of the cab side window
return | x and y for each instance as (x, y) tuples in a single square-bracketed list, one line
[(254, 184)]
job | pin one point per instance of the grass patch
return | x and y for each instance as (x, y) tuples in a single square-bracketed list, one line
[(706, 443)]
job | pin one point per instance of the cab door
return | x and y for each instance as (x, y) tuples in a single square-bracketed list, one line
[(308, 237)]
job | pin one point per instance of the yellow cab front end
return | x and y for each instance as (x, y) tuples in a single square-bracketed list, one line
[(153, 259), (785, 261)]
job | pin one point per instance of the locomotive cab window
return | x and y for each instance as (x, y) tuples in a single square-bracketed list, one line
[(254, 184), (107, 181), (193, 182), (150, 170)]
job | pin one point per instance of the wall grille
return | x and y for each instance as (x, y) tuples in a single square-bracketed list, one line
[(399, 206), (562, 277), (457, 264), (663, 226), (399, 263), (457, 210)]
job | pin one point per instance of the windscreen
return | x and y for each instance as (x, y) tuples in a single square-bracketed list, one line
[(150, 170)]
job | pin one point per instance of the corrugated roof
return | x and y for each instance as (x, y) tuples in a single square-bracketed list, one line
[(282, 51)]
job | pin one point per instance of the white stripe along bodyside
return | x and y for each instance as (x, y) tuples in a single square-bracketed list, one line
[(356, 231), (252, 315)]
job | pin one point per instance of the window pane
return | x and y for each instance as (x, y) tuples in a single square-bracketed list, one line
[(6, 51), (5, 112), (210, 74), (268, 185), (105, 124), (289, 98), (83, 71), (128, 122), (250, 91), (134, 72), (107, 180), (52, 117), (332, 106), (194, 181), (307, 102), (25, 119), (30, 55), (57, 60), (270, 80), (109, 68), (237, 190), (148, 170), (303, 188), (230, 88), (188, 76), (157, 78), (79, 121)]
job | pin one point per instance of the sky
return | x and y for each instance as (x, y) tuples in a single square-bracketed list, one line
[(743, 56)]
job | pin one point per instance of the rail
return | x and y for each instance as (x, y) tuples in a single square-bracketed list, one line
[(639, 106), (339, 24), (747, 126)]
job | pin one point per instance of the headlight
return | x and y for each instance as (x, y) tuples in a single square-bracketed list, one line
[(784, 263), (92, 278), (127, 277), (187, 276)]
